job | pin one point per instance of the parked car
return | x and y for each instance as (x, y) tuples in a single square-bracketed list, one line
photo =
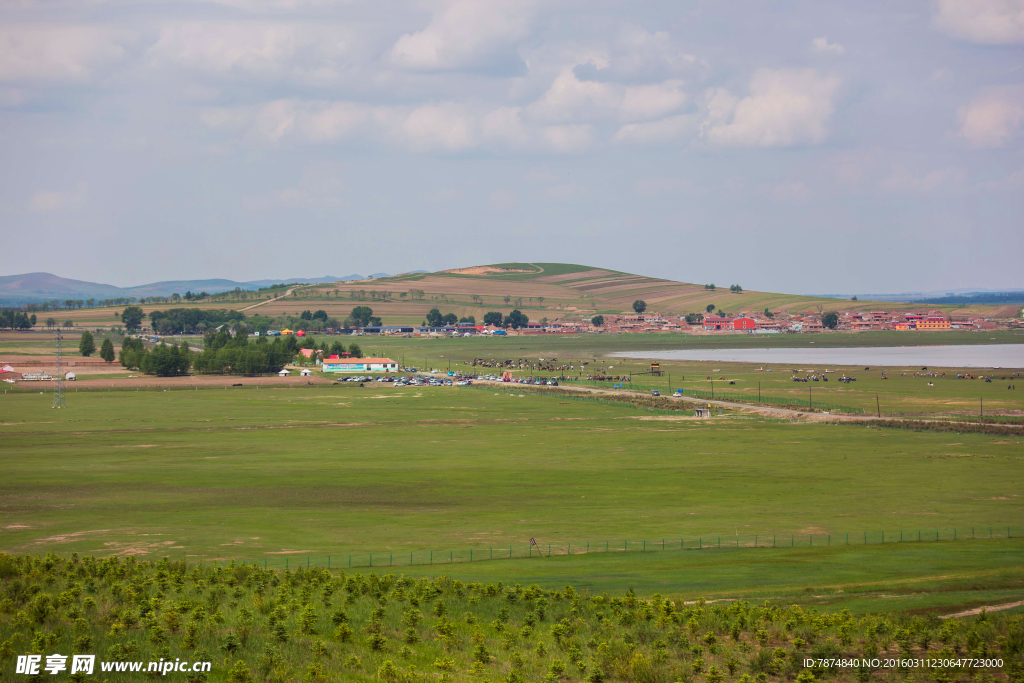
[(655, 393)]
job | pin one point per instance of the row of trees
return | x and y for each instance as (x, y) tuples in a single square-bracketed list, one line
[(189, 320), (11, 319), (241, 355)]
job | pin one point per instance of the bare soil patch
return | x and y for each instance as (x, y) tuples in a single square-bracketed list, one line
[(486, 270)]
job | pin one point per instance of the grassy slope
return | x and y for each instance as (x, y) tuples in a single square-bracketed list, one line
[(285, 627), (219, 473), (611, 293)]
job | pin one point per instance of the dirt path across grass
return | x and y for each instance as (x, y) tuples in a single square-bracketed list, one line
[(987, 608), (268, 300)]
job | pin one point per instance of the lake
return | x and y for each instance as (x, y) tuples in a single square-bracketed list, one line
[(967, 356)]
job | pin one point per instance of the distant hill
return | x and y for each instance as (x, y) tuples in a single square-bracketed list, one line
[(36, 287), (571, 290)]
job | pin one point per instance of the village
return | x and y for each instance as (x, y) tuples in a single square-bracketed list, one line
[(766, 322)]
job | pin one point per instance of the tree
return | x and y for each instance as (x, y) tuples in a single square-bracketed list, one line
[(451, 319), (507, 298), (468, 319), (361, 315), (107, 350), (434, 318), (52, 322), (735, 289), (306, 315), (69, 323), (32, 319), (132, 318), (355, 351), (768, 313), (710, 287), (830, 319), (87, 345), (710, 307), (516, 319), (694, 318), (320, 315), (597, 320), (854, 298), (639, 306), (493, 318)]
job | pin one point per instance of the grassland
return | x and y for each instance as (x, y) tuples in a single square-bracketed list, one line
[(221, 473)]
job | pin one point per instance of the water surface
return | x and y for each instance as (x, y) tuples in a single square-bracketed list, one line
[(966, 356)]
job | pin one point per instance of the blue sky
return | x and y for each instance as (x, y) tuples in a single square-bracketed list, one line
[(785, 146)]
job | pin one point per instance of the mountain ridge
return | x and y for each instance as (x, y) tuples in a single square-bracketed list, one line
[(35, 287)]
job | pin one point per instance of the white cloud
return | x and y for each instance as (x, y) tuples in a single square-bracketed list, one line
[(784, 108), (502, 200), (988, 22), (465, 33), (637, 52), (45, 201), (993, 118), (654, 186), (795, 192), (934, 180), (505, 125), (1012, 181), (567, 191), (58, 52), (571, 99), (822, 46), (654, 132), (569, 138), (445, 196), (652, 101), (444, 127), (263, 49)]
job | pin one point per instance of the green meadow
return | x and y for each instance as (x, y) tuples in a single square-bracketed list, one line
[(267, 474)]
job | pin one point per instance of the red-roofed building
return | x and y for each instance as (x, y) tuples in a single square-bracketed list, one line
[(714, 322)]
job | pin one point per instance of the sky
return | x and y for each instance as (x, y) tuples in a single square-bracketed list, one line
[(806, 147)]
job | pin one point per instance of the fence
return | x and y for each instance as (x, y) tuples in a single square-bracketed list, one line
[(723, 396), (526, 551)]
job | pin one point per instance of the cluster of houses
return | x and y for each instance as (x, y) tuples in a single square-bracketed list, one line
[(783, 321), (748, 322)]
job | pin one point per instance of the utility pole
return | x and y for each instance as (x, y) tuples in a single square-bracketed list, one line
[(58, 389), (878, 406)]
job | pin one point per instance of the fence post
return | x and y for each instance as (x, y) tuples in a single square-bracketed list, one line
[(307, 561), (451, 555), (719, 542), (431, 557), (328, 562), (471, 554), (371, 559), (286, 563), (349, 561), (570, 550), (847, 538), (810, 539)]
